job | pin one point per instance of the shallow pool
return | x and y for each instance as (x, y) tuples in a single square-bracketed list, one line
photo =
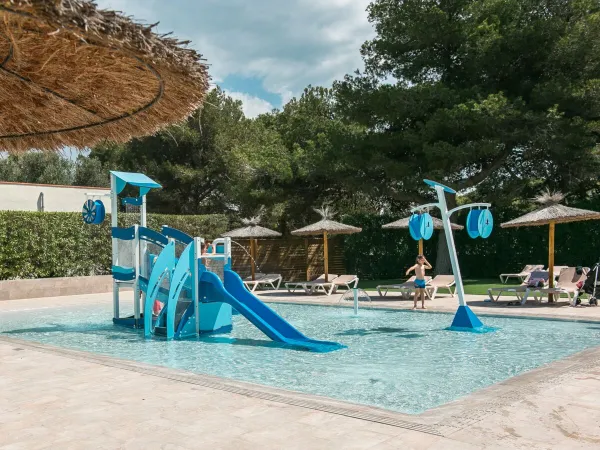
[(399, 360)]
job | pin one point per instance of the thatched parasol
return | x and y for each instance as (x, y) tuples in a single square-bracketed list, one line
[(74, 75), (253, 232), (403, 224), (551, 213), (326, 227)]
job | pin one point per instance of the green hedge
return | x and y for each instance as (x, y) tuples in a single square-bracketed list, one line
[(42, 245), (385, 254)]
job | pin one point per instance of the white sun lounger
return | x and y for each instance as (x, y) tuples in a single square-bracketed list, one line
[(523, 274), (566, 283), (405, 288), (521, 291), (440, 282), (329, 287), (272, 280), (291, 286)]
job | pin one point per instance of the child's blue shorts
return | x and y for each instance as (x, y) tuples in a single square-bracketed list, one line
[(420, 284)]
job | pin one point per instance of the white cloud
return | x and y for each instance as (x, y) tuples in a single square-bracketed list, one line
[(288, 44), (252, 106)]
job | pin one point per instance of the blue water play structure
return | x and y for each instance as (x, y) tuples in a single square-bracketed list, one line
[(479, 224), (196, 289)]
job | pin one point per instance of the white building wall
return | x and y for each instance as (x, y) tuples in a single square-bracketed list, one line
[(27, 197)]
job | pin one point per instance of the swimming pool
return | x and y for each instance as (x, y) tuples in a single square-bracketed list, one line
[(403, 361)]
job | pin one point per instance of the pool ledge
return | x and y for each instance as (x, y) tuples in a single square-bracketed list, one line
[(445, 421)]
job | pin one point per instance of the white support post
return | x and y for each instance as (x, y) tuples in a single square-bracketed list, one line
[(143, 246), (136, 283), (115, 250), (451, 247), (195, 281), (355, 292)]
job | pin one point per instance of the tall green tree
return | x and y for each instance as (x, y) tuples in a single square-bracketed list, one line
[(37, 167), (500, 96), (206, 164)]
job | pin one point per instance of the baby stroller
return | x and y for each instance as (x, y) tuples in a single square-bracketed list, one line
[(589, 287)]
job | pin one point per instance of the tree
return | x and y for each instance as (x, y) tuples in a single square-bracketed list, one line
[(206, 164), (497, 96), (37, 167)]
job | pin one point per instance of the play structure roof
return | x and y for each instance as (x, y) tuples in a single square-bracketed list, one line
[(74, 75), (326, 225), (252, 232), (553, 213), (140, 180), (403, 223)]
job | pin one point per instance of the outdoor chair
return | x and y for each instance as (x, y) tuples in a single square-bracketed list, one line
[(405, 288), (329, 287), (523, 274), (291, 286), (272, 280), (446, 282)]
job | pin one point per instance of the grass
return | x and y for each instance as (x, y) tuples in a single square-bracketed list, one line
[(473, 287)]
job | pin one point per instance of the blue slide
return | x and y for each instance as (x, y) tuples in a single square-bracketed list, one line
[(259, 314)]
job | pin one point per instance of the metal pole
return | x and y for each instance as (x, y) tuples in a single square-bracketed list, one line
[(326, 254), (195, 282), (115, 249), (355, 291), (136, 283), (451, 247)]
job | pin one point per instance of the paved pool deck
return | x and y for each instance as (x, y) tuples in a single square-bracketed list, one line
[(58, 398)]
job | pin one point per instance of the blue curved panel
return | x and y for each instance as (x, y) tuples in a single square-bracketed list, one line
[(444, 187), (426, 228), (473, 223), (152, 236), (125, 234), (164, 265), (177, 235), (123, 273), (414, 226), (180, 275), (485, 223)]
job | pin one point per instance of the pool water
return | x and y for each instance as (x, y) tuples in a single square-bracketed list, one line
[(399, 360)]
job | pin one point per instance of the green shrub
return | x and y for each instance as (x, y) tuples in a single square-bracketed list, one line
[(44, 244)]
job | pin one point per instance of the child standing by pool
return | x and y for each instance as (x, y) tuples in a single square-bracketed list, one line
[(419, 269)]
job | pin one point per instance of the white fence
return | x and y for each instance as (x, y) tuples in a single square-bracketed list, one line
[(47, 197)]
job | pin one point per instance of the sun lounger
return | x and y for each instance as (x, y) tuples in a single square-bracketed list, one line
[(523, 274), (347, 281), (291, 286), (440, 282), (566, 283), (405, 288), (521, 291), (272, 280)]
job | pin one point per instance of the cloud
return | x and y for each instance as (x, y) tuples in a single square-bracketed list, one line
[(286, 44), (252, 106)]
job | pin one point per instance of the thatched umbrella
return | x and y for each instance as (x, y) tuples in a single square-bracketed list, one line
[(551, 213), (74, 75), (403, 224), (326, 227), (253, 232)]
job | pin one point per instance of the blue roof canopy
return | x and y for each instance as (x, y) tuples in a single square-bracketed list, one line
[(140, 180)]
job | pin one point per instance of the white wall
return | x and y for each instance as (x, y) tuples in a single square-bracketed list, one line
[(26, 197)]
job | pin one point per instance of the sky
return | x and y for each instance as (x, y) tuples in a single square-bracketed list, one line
[(263, 52)]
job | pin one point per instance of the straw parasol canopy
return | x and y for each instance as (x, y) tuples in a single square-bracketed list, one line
[(74, 75), (550, 213), (253, 232), (326, 227), (402, 224)]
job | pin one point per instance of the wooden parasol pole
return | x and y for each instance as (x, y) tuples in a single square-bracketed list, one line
[(551, 261), (420, 246), (326, 256), (252, 257)]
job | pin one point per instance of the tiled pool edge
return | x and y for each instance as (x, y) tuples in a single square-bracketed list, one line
[(440, 421)]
